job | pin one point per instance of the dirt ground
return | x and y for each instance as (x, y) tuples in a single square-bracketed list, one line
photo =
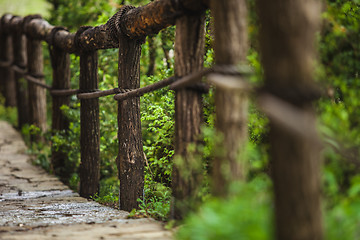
[(36, 205)]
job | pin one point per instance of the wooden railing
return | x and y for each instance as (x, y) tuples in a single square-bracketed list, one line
[(286, 105), (126, 30)]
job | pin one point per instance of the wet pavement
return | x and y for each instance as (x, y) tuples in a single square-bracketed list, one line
[(36, 205)]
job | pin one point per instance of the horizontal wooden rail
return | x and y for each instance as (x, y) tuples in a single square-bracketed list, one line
[(132, 22)]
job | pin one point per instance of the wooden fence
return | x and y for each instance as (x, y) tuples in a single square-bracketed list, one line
[(21, 58)]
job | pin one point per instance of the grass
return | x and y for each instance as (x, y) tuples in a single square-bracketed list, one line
[(24, 7)]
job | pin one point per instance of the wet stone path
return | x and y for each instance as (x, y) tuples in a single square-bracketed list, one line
[(36, 205)]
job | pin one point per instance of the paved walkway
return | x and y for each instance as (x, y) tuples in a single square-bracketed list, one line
[(36, 205)]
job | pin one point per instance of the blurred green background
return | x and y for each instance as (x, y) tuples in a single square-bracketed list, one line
[(24, 7)]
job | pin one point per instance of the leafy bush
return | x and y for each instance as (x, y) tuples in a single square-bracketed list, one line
[(339, 109), (156, 202), (246, 215)]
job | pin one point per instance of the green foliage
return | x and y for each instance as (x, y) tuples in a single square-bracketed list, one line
[(24, 7), (157, 114), (69, 142), (339, 112), (246, 215), (109, 192), (343, 219), (8, 114), (76, 13), (39, 151), (156, 202)]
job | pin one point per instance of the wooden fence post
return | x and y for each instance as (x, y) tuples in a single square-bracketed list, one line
[(131, 156), (90, 126), (37, 94), (20, 62), (231, 107), (60, 62), (287, 40), (6, 56), (189, 57), (130, 161)]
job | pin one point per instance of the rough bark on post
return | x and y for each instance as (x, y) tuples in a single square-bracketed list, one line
[(189, 54), (130, 161), (90, 127), (20, 61), (287, 40), (7, 74), (60, 62), (231, 46), (37, 95)]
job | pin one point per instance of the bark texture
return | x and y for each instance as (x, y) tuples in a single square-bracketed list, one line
[(189, 52), (130, 161), (37, 95), (287, 39), (90, 127), (60, 62), (231, 46)]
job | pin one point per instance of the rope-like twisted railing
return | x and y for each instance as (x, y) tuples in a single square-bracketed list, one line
[(191, 81)]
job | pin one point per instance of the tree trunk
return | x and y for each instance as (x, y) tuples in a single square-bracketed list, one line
[(130, 161), (189, 57), (231, 46), (60, 62), (90, 127), (287, 39), (37, 95)]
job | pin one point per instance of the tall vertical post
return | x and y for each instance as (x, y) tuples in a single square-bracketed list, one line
[(189, 57), (2, 56), (287, 40), (37, 94), (130, 161), (60, 62), (6, 56), (231, 46), (90, 126), (20, 61)]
